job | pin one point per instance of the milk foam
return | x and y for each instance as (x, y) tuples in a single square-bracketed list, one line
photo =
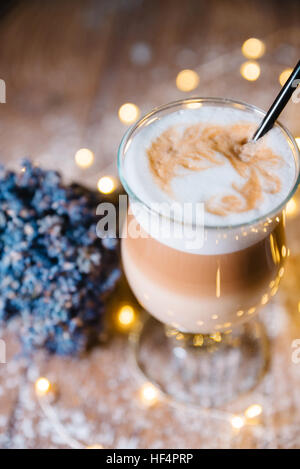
[(200, 186)]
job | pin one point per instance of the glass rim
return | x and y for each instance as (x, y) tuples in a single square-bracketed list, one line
[(218, 101)]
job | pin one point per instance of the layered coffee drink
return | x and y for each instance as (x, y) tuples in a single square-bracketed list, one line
[(202, 155)]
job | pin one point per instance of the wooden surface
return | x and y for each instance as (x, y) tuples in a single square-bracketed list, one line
[(68, 66)]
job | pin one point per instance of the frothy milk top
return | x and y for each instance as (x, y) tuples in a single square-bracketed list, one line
[(191, 156)]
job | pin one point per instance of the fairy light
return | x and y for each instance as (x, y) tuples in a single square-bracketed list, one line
[(42, 386), (187, 80), (106, 185), (291, 207), (198, 340), (128, 113), (126, 316), (84, 157), (250, 70), (253, 411), (284, 75), (237, 422), (253, 48), (148, 394)]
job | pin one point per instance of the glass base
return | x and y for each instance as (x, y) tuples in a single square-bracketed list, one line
[(202, 370)]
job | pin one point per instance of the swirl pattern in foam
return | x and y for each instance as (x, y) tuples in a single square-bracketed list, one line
[(219, 179)]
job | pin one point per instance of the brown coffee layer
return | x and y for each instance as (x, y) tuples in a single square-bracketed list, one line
[(200, 274)]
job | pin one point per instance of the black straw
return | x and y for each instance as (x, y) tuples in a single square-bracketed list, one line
[(279, 104)]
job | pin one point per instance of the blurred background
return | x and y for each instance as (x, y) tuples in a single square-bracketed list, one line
[(70, 66), (77, 74)]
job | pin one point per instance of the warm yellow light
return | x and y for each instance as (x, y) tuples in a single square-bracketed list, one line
[(128, 113), (237, 421), (198, 340), (187, 80), (291, 208), (42, 386), (253, 48), (84, 158), (148, 394), (284, 75), (106, 185), (250, 70), (126, 315), (253, 411), (298, 142), (216, 337)]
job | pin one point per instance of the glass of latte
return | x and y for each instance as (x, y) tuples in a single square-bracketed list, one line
[(203, 246)]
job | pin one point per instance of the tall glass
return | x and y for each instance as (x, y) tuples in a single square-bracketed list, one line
[(204, 300)]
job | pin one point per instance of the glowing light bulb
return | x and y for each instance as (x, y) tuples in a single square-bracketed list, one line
[(84, 157), (198, 340), (128, 113), (250, 70), (42, 386), (148, 394), (187, 80), (253, 48), (106, 185), (291, 207), (237, 422), (253, 411), (126, 316), (284, 75)]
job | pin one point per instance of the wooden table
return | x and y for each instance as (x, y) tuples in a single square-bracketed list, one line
[(68, 66)]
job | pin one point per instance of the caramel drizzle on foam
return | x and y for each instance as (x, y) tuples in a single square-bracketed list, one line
[(199, 147)]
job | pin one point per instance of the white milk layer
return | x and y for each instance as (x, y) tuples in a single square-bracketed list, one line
[(197, 187)]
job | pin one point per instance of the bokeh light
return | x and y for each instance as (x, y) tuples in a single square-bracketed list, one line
[(253, 411), (298, 142), (128, 113), (250, 70), (237, 422), (84, 158), (42, 386), (126, 316), (148, 394), (253, 48), (187, 80), (106, 185), (284, 75)]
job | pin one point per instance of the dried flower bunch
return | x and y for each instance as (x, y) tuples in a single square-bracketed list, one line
[(54, 271)]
